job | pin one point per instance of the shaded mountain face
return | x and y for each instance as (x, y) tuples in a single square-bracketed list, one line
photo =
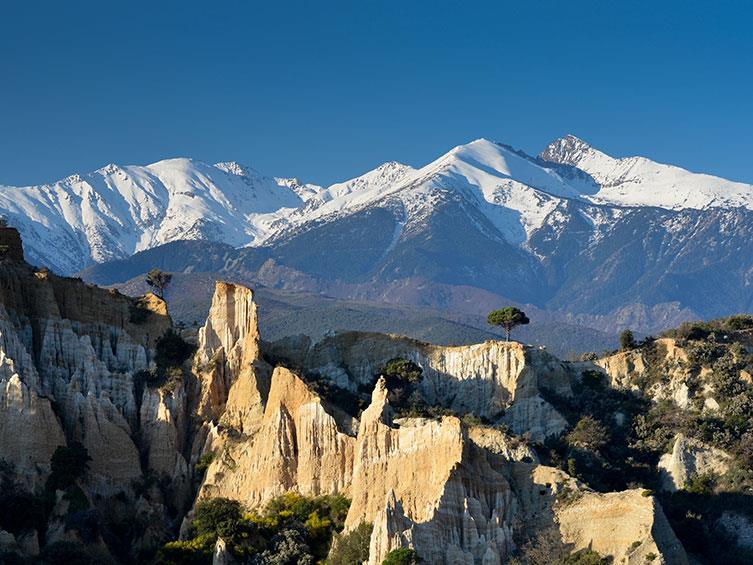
[(597, 240)]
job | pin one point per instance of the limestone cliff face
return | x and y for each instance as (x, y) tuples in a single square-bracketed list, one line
[(487, 379), (625, 525), (164, 433), (76, 348), (669, 360), (424, 485), (297, 445), (228, 348), (456, 494), (625, 367), (688, 458)]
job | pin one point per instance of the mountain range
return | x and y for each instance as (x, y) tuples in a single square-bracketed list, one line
[(576, 236)]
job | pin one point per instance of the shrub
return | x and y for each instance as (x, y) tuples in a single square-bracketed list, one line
[(585, 557), (545, 548), (403, 370), (627, 340), (737, 322), (217, 515), (290, 525), (197, 551), (172, 350), (700, 484), (287, 547), (352, 547), (401, 556), (203, 463), (589, 434), (69, 463)]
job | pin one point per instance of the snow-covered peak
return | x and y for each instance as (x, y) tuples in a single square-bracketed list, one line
[(115, 211), (235, 168), (384, 176), (637, 181), (568, 150), (486, 164), (305, 191)]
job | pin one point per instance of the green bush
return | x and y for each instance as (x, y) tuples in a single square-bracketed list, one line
[(738, 322), (352, 547), (588, 434), (627, 340), (403, 370), (291, 524), (586, 557), (216, 515), (197, 551), (700, 484), (69, 464), (171, 350), (401, 556)]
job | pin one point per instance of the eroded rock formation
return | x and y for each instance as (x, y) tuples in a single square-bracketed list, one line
[(494, 380), (73, 367)]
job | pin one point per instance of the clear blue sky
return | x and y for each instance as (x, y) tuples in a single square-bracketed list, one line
[(327, 90)]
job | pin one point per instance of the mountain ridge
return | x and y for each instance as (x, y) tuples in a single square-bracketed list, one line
[(117, 210), (559, 231)]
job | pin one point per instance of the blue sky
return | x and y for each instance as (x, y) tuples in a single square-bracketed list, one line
[(327, 90)]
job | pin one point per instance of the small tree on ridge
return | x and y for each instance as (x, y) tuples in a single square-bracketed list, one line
[(158, 280), (507, 318)]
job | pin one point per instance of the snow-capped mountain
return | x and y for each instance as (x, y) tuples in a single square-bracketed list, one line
[(571, 230), (637, 181), (116, 211)]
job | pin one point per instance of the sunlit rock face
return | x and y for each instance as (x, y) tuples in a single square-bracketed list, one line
[(494, 380), (70, 359), (456, 493)]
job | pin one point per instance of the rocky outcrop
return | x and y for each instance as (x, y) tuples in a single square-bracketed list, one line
[(29, 430), (627, 526), (297, 445), (72, 368), (228, 349), (455, 493), (688, 458), (459, 495), (738, 528), (625, 367), (493, 380), (70, 356), (421, 487)]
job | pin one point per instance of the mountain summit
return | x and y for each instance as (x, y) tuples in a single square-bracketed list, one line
[(637, 181), (574, 230)]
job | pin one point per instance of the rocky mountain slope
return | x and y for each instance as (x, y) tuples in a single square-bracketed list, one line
[(118, 437), (577, 234), (115, 211)]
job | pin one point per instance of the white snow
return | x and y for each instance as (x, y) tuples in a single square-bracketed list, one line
[(637, 181), (116, 211)]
